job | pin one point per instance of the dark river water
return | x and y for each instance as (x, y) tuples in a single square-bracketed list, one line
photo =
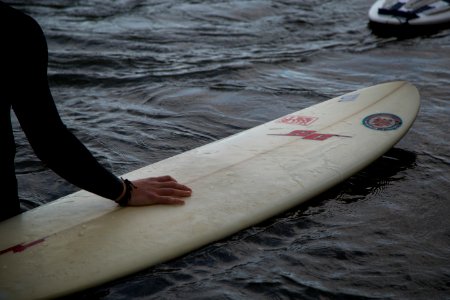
[(140, 81)]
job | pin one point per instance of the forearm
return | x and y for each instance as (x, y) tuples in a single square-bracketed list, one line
[(71, 160)]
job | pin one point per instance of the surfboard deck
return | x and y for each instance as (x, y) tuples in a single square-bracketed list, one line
[(83, 240)]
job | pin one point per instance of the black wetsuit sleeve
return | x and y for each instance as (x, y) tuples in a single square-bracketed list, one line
[(35, 109)]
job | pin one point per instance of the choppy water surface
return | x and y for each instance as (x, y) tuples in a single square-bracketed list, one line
[(139, 81)]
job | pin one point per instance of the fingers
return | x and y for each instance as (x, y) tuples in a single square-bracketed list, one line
[(173, 192), (166, 182), (173, 185), (163, 178), (161, 182), (158, 190)]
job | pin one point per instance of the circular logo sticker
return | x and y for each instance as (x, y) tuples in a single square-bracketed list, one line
[(382, 121)]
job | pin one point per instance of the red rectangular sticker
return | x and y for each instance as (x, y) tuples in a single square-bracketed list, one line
[(298, 120)]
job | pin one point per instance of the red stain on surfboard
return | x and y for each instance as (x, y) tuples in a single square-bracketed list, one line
[(21, 247), (311, 135)]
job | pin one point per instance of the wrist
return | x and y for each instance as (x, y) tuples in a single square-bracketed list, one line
[(125, 196)]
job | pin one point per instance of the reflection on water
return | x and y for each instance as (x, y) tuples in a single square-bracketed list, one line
[(139, 81), (376, 177)]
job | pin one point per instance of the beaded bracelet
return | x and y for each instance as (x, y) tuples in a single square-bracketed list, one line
[(126, 195)]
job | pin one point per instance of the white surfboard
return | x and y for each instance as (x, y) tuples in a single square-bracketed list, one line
[(83, 240), (413, 13)]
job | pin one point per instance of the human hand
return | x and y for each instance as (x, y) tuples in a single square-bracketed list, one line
[(158, 190)]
